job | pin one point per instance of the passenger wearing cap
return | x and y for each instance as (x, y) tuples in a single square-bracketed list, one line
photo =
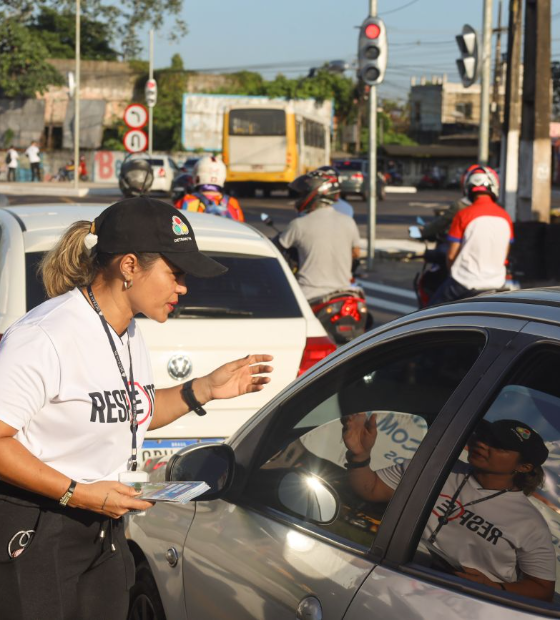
[(76, 380), (483, 526)]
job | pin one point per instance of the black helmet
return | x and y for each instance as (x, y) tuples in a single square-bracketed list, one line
[(136, 177), (319, 186)]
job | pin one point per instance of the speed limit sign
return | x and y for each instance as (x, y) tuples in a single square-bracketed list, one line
[(136, 116), (135, 141)]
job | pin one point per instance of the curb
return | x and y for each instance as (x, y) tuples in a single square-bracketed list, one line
[(44, 189)]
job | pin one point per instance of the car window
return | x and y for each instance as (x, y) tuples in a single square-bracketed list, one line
[(173, 164), (254, 287), (396, 393), (156, 162), (35, 293), (502, 526), (348, 165)]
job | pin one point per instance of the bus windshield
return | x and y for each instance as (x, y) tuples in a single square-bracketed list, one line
[(257, 122)]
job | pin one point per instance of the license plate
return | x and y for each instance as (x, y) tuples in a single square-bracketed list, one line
[(155, 448), (257, 167)]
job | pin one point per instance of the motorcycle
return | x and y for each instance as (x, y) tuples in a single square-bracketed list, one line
[(342, 313), (435, 269)]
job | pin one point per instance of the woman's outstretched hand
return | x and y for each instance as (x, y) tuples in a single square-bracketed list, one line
[(234, 379)]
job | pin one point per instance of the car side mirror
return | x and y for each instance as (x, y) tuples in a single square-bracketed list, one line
[(309, 497), (210, 463)]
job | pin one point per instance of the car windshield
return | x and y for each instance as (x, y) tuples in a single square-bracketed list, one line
[(254, 287), (348, 165)]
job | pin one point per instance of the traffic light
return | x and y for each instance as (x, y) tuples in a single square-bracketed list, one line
[(372, 51), (151, 93), (468, 63)]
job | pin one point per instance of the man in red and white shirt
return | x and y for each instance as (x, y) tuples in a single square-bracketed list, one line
[(479, 240)]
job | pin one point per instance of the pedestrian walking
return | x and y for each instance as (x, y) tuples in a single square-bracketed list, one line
[(12, 157), (33, 155), (77, 398)]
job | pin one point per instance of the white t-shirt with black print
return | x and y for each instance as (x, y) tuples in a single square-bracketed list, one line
[(63, 392), (501, 537)]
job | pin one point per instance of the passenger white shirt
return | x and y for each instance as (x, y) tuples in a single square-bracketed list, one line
[(33, 153), (63, 392), (499, 537), (324, 239)]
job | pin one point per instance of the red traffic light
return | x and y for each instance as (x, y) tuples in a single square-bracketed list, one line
[(372, 31)]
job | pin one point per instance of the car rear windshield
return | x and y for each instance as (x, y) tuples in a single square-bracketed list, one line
[(254, 287), (156, 162), (348, 165), (253, 122)]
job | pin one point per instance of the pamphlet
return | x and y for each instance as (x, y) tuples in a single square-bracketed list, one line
[(178, 492)]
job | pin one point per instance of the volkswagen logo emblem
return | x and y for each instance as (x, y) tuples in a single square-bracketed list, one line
[(179, 367)]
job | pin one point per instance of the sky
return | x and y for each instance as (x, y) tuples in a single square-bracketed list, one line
[(291, 36)]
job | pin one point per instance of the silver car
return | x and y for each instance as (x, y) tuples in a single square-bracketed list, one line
[(353, 175), (286, 529)]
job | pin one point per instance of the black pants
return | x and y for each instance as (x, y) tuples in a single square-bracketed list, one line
[(450, 290), (36, 171), (11, 174), (67, 571)]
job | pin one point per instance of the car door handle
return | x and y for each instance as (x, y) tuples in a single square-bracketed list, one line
[(309, 608)]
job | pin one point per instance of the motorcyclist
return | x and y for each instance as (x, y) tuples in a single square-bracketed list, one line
[(340, 205), (208, 196), (326, 241), (479, 239)]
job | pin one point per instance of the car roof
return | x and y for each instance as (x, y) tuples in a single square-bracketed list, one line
[(42, 223)]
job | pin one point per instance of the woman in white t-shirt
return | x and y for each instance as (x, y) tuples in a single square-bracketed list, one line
[(483, 526), (76, 379)]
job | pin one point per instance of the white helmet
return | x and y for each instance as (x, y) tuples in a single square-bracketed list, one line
[(479, 180), (209, 171)]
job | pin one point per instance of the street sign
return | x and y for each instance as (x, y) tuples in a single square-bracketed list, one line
[(151, 93), (135, 141), (468, 63), (372, 51), (136, 116)]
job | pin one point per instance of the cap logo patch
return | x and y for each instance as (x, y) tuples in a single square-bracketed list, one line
[(524, 433), (179, 227)]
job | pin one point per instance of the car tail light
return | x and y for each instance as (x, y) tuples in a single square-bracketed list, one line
[(315, 350), (161, 172), (358, 176)]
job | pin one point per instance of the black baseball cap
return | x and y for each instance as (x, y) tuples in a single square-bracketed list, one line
[(516, 436), (144, 224)]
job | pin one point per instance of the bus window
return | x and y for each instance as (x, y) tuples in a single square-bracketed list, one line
[(257, 122)]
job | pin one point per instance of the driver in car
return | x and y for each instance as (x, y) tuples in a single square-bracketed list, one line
[(483, 522)]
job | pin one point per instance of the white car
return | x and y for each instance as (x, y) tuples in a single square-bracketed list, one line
[(165, 170), (257, 307)]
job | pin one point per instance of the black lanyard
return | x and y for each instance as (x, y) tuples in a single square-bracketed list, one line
[(128, 387), (444, 519)]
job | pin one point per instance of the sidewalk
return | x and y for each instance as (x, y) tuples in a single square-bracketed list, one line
[(56, 188)]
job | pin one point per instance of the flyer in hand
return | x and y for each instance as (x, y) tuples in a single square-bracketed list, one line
[(179, 492)]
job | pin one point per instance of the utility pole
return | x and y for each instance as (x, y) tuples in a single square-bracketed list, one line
[(150, 108), (496, 127), (534, 151), (509, 155), (485, 84), (77, 101), (372, 194)]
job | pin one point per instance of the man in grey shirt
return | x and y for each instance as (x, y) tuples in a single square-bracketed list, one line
[(326, 240)]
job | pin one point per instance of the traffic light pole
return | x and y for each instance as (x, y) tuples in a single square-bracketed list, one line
[(484, 134), (151, 109), (77, 99), (372, 194)]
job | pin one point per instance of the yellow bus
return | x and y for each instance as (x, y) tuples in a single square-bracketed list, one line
[(267, 147)]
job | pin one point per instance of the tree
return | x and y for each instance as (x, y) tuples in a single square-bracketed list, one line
[(57, 32), (23, 69), (123, 20)]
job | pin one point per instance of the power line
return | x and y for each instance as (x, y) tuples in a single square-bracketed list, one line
[(400, 8)]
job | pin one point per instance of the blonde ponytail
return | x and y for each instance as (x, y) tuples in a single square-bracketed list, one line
[(69, 264)]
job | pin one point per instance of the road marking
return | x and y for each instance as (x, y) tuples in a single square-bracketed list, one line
[(426, 205), (384, 304), (384, 288)]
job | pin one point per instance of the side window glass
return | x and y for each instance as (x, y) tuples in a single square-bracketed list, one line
[(497, 518), (307, 473)]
